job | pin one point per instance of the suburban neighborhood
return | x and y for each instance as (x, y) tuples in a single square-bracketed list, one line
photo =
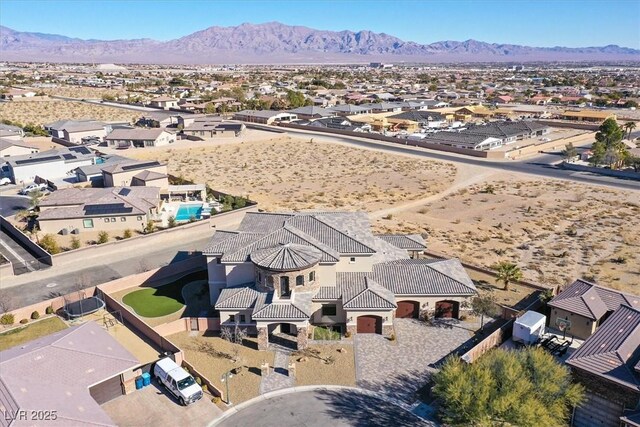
[(273, 225)]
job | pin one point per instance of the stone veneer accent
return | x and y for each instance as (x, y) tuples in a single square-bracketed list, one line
[(352, 329), (302, 338), (276, 275), (387, 330), (263, 338)]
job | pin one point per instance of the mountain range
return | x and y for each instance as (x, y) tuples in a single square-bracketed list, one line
[(273, 43)]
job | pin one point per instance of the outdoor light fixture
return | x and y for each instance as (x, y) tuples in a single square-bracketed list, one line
[(225, 379)]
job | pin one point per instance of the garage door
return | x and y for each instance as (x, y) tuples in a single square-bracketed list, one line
[(444, 309), (408, 310), (106, 391), (369, 325)]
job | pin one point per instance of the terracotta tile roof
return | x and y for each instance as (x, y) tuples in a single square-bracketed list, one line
[(613, 350), (590, 300)]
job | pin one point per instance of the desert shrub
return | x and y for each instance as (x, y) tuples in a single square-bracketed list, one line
[(205, 388), (75, 243), (103, 237), (392, 337), (151, 227), (35, 315), (23, 321), (171, 221), (199, 380), (347, 334), (49, 310), (390, 216), (7, 319), (215, 400), (127, 234), (48, 243)]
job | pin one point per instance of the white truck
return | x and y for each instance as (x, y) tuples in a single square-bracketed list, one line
[(177, 381)]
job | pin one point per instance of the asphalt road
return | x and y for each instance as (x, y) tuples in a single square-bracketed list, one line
[(61, 283), (9, 205), (322, 408), (541, 165)]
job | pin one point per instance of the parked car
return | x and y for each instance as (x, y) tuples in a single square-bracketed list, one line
[(33, 187), (5, 181), (177, 381)]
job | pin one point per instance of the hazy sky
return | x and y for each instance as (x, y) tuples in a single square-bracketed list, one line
[(537, 22)]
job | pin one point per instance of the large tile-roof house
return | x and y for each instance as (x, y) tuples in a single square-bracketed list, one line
[(78, 131), (68, 373), (608, 364), (283, 273), (583, 306), (139, 137)]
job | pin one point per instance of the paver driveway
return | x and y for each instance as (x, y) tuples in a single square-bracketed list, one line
[(400, 368)]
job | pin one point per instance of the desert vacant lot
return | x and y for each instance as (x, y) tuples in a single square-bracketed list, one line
[(286, 173), (555, 230), (46, 111), (82, 92)]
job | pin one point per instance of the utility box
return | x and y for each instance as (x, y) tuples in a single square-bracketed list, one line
[(529, 327)]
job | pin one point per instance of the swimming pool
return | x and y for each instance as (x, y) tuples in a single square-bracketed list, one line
[(185, 212)]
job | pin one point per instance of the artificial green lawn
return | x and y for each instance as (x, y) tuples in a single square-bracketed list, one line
[(38, 329), (160, 301)]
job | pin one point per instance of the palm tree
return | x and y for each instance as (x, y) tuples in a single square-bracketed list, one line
[(629, 127), (507, 272)]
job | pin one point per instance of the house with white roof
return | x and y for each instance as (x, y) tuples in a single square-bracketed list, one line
[(281, 274)]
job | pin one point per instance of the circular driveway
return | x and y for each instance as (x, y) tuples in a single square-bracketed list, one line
[(321, 408), (9, 205)]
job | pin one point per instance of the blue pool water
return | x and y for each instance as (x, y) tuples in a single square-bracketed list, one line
[(185, 212)]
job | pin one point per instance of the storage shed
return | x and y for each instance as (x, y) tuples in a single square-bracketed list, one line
[(529, 327)]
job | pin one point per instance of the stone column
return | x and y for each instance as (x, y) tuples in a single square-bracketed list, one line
[(302, 338), (264, 369), (388, 330), (352, 329), (263, 338), (291, 368)]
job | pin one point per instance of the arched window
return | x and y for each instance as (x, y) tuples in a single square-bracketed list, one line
[(300, 280), (312, 276)]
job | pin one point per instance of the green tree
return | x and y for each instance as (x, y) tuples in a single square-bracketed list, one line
[(507, 272), (598, 152), (103, 237), (634, 162), (295, 99), (610, 135), (629, 127), (569, 152), (484, 305), (171, 221), (524, 388), (49, 243)]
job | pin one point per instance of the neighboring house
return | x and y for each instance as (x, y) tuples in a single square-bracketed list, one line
[(312, 112), (214, 128), (12, 134), (158, 119), (608, 365), (17, 93), (98, 209), (508, 132), (338, 123), (11, 130), (584, 306), (349, 110), (82, 368), (384, 107), (266, 117), (11, 148), (282, 273), (424, 119), (139, 138), (135, 173), (587, 115), (50, 164), (78, 131), (503, 99), (464, 140), (163, 102), (93, 173)]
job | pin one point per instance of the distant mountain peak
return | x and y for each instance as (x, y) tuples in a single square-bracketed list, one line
[(275, 42)]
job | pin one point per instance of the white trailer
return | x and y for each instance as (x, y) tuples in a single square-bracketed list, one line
[(529, 327)]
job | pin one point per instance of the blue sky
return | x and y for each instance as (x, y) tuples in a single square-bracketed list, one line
[(537, 22)]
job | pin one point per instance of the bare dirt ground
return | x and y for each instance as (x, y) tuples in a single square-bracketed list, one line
[(214, 356), (555, 230), (83, 92), (286, 173), (334, 364), (47, 110)]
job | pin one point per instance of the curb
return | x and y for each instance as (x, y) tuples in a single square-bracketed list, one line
[(238, 408)]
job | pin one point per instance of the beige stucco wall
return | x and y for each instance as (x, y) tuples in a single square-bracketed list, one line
[(224, 316), (317, 318), (327, 274), (581, 327), (162, 183), (238, 274), (15, 150), (131, 222), (352, 316), (363, 263), (123, 179), (429, 303), (76, 137)]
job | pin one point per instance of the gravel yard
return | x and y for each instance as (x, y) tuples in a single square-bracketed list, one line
[(314, 370)]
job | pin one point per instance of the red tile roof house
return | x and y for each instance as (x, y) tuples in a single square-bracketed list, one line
[(608, 365), (68, 373), (586, 306)]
